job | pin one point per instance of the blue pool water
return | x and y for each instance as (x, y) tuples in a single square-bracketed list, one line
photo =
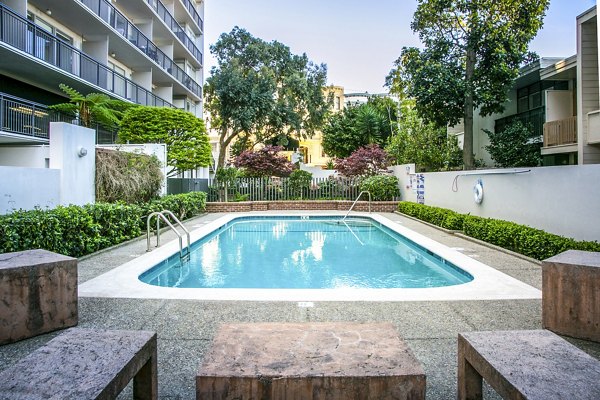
[(307, 253)]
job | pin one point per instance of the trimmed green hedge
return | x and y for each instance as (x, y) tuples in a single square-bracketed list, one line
[(76, 231), (522, 239), (443, 217)]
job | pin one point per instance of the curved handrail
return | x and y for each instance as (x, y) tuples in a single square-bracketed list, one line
[(355, 201), (160, 215)]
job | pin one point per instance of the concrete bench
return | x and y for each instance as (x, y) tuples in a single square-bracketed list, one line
[(533, 364), (309, 361), (571, 294), (85, 364), (38, 294)]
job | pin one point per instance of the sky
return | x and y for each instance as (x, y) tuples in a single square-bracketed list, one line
[(359, 39)]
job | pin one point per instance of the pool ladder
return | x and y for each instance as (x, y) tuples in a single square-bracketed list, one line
[(161, 215), (355, 201)]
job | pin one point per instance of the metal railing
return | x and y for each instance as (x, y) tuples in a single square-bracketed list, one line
[(559, 132), (32, 119), (356, 201), (271, 189), (194, 13), (24, 35), (160, 215), (174, 26), (114, 18)]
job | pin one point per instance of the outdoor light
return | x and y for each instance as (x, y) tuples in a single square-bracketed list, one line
[(82, 152), (48, 11)]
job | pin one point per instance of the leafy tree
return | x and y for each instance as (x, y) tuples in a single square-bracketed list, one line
[(226, 177), (184, 134), (261, 90), (381, 187), (358, 126), (264, 162), (93, 107), (424, 144), (515, 146), (473, 50), (366, 161)]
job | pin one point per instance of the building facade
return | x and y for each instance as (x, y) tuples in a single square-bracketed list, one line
[(559, 99), (148, 52)]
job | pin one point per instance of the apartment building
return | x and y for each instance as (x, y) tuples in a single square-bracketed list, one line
[(148, 52), (559, 99)]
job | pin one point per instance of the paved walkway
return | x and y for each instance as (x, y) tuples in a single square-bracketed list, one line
[(186, 327)]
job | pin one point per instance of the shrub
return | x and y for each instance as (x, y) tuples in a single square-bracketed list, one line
[(381, 187), (264, 162), (300, 181), (522, 239), (76, 231), (442, 217), (365, 161), (127, 177)]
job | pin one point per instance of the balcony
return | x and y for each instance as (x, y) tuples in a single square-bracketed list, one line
[(561, 132), (115, 19), (168, 19), (23, 35), (194, 13), (24, 121)]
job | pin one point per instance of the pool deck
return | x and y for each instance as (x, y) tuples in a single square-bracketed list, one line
[(186, 327)]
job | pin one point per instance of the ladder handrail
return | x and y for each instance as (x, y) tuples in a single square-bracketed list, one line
[(355, 201), (160, 215)]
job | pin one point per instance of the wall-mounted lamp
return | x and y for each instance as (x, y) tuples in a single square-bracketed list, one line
[(82, 152), (48, 11), (113, 54)]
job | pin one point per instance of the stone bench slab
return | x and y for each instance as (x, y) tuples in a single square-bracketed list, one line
[(571, 294), (533, 364), (85, 364), (38, 294), (309, 361)]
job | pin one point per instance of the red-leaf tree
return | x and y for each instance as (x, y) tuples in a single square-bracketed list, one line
[(366, 161), (264, 162)]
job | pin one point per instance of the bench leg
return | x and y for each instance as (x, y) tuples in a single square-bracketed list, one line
[(469, 381), (145, 385)]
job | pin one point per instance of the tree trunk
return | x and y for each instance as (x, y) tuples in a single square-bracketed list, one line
[(223, 143), (468, 162)]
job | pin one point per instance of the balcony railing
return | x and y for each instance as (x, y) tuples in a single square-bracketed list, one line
[(114, 18), (32, 119), (168, 19), (28, 37), (560, 132), (194, 13)]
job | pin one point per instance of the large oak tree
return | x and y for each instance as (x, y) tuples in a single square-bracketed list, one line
[(472, 53), (260, 90)]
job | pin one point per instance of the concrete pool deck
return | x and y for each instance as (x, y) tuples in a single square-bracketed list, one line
[(186, 327)]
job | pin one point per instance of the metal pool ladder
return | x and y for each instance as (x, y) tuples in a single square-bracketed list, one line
[(355, 201), (161, 215)]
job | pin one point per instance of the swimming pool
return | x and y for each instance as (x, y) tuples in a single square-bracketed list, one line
[(305, 252), (487, 284)]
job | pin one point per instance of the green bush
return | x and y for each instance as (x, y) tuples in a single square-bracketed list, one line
[(381, 187), (522, 239), (299, 182), (442, 217), (76, 231)]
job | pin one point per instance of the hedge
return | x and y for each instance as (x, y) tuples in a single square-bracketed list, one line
[(79, 230), (522, 239)]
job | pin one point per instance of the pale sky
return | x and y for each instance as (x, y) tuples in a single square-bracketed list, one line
[(359, 39)]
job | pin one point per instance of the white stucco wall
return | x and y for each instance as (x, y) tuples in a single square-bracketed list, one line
[(563, 200), (77, 171), (25, 156), (27, 188)]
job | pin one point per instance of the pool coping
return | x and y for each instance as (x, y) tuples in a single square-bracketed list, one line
[(489, 283)]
